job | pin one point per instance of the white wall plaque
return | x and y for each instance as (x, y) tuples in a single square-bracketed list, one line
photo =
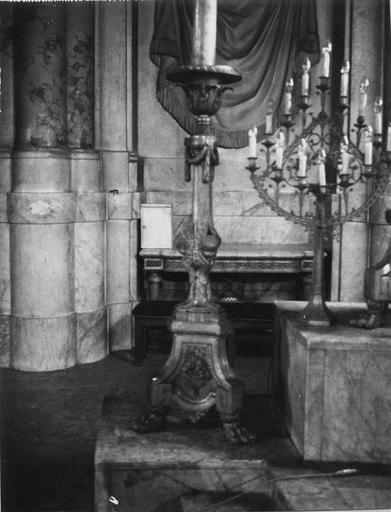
[(156, 226)]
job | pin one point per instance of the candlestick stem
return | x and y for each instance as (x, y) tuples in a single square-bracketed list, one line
[(316, 312)]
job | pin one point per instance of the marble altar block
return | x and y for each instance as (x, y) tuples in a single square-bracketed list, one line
[(333, 386), (162, 471)]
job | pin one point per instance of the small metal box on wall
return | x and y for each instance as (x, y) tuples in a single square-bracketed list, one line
[(156, 226)]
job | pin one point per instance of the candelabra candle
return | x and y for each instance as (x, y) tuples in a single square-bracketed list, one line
[(378, 109), (345, 80), (280, 146), (326, 50), (252, 142), (345, 157), (269, 118), (368, 151), (305, 79), (363, 97), (322, 167), (288, 97), (302, 170)]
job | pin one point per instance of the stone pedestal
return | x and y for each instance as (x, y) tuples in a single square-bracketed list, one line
[(156, 471), (332, 386)]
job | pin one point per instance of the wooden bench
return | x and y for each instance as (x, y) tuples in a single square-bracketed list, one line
[(246, 317)]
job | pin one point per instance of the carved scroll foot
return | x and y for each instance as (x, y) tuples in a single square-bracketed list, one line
[(154, 420), (238, 434)]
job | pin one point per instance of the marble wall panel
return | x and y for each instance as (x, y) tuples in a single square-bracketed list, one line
[(137, 199), (292, 382), (42, 272), (314, 403), (246, 204), (90, 207), (85, 171), (165, 174), (89, 266), (5, 171), (115, 171), (7, 126), (119, 206), (110, 78), (91, 332), (5, 269), (135, 166), (41, 208), (120, 326), (356, 406), (252, 230), (117, 261), (4, 341), (41, 171), (3, 207), (133, 260), (349, 263), (43, 344)]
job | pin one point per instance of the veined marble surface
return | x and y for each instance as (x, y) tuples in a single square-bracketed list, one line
[(332, 387)]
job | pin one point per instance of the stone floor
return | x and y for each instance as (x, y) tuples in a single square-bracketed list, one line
[(50, 421)]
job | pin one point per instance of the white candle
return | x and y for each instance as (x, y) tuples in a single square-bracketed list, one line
[(326, 59), (378, 109), (279, 156), (368, 146), (363, 96), (252, 142), (388, 145), (345, 79), (322, 168), (305, 79), (302, 171), (269, 117), (280, 146), (288, 97), (204, 35)]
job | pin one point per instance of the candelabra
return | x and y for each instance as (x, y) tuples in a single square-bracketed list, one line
[(316, 159)]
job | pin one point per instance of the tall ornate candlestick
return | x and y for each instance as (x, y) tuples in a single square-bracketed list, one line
[(197, 374)]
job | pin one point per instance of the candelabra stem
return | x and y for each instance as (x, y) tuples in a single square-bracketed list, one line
[(316, 312)]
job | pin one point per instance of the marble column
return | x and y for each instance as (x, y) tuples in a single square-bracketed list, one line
[(115, 140), (6, 144), (352, 251), (41, 206), (86, 184)]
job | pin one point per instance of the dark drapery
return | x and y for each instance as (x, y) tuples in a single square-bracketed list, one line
[(261, 39)]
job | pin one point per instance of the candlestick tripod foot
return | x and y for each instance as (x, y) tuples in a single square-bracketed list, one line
[(237, 434)]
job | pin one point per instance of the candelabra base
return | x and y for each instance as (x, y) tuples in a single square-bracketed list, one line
[(197, 375), (316, 313)]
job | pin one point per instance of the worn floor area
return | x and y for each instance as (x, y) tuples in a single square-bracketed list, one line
[(50, 420)]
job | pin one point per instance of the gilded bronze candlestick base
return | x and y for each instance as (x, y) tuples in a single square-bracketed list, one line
[(197, 375)]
